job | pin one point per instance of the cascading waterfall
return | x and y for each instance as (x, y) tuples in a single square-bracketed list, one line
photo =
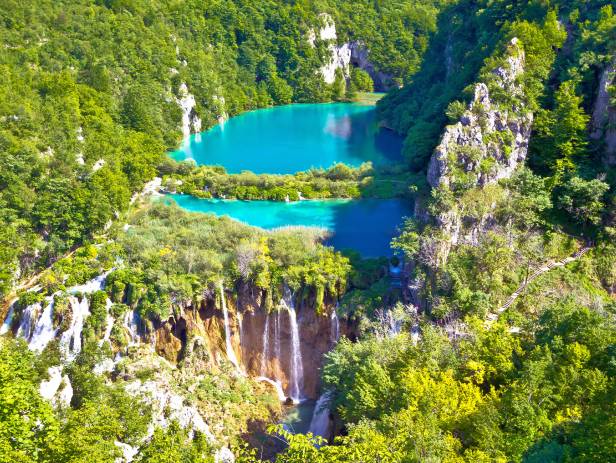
[(44, 331), (297, 366), (70, 341), (6, 326), (265, 356), (276, 385), (334, 327), (36, 323), (320, 423), (277, 338), (28, 320), (187, 104), (240, 322), (230, 353), (109, 323), (131, 324)]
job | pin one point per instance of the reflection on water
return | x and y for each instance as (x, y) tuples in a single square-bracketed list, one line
[(293, 138), (339, 127)]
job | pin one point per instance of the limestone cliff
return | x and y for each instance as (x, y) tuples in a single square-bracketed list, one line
[(261, 339), (489, 141), (603, 123), (487, 144), (343, 56)]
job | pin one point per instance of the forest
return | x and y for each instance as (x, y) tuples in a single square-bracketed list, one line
[(500, 344)]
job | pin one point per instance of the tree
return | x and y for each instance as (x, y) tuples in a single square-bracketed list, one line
[(582, 199)]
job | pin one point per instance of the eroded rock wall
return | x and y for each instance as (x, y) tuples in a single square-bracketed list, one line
[(603, 123), (259, 355)]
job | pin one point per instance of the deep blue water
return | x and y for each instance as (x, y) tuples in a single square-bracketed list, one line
[(366, 225), (293, 138)]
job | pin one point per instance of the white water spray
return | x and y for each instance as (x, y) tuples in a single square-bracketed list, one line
[(70, 341), (277, 353), (44, 331), (109, 323), (131, 324), (230, 353), (265, 356), (334, 327), (276, 385), (320, 423), (8, 322), (297, 367)]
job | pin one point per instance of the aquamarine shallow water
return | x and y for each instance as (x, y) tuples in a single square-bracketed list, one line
[(293, 138), (366, 225)]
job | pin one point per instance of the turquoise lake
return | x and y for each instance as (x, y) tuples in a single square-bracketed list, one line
[(293, 138), (366, 225)]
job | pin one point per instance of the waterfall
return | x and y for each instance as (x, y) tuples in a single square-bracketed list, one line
[(240, 321), (50, 389), (320, 423), (277, 355), (276, 385), (334, 327), (230, 353), (28, 320), (297, 367), (8, 322), (44, 331), (70, 341), (415, 333), (109, 324), (131, 324), (265, 356), (187, 104)]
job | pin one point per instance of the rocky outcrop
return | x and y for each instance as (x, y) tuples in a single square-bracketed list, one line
[(603, 123), (262, 339), (360, 59), (190, 121), (339, 55), (343, 56), (489, 142)]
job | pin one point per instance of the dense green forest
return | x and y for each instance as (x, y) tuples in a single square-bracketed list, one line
[(91, 84), (88, 110)]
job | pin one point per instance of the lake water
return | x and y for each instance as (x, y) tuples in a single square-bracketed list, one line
[(366, 225), (293, 138)]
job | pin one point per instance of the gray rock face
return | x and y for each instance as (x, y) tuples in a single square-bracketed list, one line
[(489, 142), (603, 123), (360, 58)]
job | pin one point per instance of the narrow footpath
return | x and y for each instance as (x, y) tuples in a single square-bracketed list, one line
[(492, 317)]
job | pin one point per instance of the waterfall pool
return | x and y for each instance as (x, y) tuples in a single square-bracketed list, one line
[(292, 138), (366, 225), (297, 418)]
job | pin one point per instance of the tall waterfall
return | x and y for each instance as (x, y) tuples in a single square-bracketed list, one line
[(70, 341), (334, 327), (297, 366), (230, 353), (265, 356), (240, 322), (320, 423), (6, 326), (277, 355), (44, 331), (108, 323), (187, 103), (28, 320), (131, 324)]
